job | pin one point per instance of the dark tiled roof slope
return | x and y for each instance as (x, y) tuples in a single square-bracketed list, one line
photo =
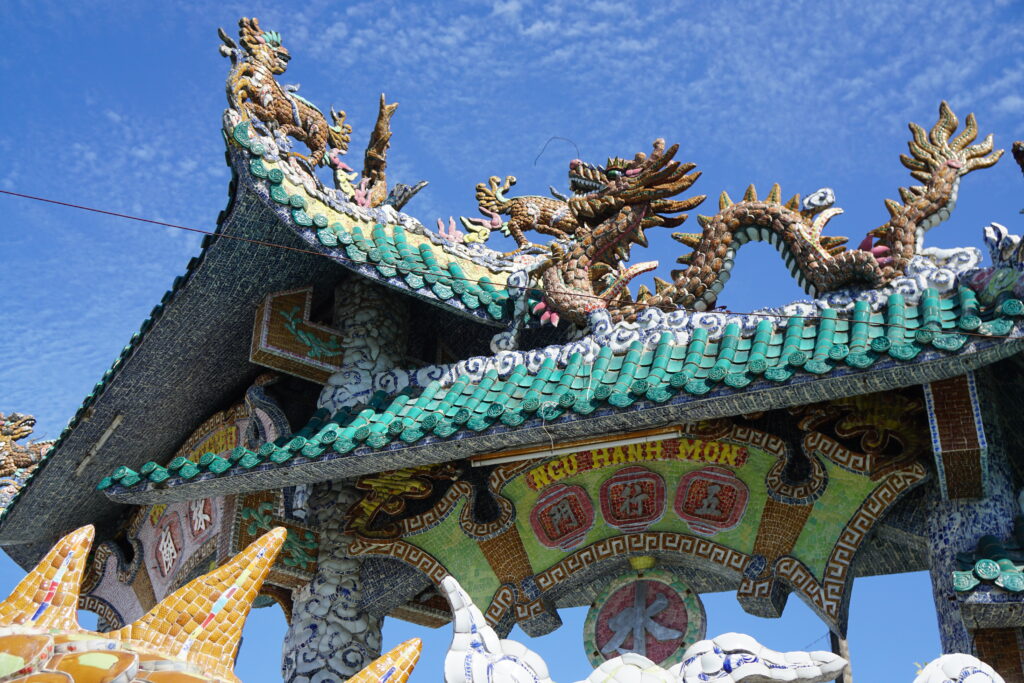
[(669, 371)]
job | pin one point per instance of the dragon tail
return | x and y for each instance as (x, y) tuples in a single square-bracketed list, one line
[(938, 160)]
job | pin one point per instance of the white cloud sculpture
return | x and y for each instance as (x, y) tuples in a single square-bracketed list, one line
[(477, 655)]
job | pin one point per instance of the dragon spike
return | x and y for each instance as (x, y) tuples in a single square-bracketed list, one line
[(833, 243), (676, 205), (793, 203), (911, 194), (923, 176), (920, 138), (643, 294), (913, 163), (690, 239), (724, 201), (685, 260), (976, 154), (774, 194), (674, 221), (204, 618), (751, 194), (704, 221), (394, 667), (48, 596), (894, 208), (652, 222), (945, 126), (660, 285), (967, 135)]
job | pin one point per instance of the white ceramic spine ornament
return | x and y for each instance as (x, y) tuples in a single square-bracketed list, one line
[(477, 655), (735, 657), (958, 668)]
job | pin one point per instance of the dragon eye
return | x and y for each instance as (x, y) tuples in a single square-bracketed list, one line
[(613, 173)]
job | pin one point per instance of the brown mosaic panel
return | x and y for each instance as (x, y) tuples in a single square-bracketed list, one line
[(1001, 649), (958, 437), (507, 556)]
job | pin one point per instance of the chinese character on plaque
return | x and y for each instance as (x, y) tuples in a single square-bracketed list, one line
[(711, 500), (168, 544), (200, 516), (562, 516), (632, 499), (653, 614)]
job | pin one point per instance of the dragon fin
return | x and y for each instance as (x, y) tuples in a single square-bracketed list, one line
[(203, 619), (48, 595)]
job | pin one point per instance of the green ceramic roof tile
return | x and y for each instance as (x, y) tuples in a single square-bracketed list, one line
[(385, 247), (815, 346)]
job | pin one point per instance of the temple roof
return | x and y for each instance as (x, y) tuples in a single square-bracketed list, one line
[(561, 391), (379, 243)]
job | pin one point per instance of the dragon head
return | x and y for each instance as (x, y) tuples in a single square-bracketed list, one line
[(600, 191), (645, 185), (264, 47), (16, 426)]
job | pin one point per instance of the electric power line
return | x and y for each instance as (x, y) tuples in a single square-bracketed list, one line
[(343, 259)]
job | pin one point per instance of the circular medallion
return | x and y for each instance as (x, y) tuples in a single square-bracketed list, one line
[(653, 614)]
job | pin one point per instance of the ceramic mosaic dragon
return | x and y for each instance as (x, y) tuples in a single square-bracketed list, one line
[(614, 204), (254, 92), (14, 456)]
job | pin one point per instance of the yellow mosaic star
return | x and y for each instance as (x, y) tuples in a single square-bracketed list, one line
[(191, 636)]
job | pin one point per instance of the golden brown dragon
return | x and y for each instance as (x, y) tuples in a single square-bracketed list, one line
[(613, 205)]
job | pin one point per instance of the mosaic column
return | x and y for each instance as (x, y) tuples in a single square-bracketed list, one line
[(329, 638), (373, 322), (974, 495)]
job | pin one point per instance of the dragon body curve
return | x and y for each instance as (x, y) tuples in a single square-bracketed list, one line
[(591, 273)]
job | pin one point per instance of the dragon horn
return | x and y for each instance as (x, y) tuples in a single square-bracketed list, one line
[(48, 595), (659, 158)]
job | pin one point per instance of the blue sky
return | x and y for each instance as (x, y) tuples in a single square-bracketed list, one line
[(117, 105)]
